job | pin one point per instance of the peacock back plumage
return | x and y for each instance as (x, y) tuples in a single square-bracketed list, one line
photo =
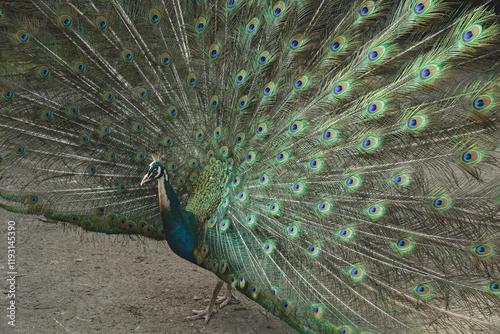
[(332, 160)]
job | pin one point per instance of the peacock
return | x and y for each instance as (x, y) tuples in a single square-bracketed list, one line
[(334, 161)]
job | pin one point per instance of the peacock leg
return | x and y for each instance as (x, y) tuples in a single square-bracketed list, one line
[(224, 300), (229, 298), (205, 314)]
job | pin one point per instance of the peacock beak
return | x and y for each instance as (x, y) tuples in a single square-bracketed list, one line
[(145, 179)]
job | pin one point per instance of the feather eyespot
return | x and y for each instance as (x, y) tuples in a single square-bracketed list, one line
[(65, 21), (199, 134), (7, 94), (296, 42), (172, 111), (240, 77), (217, 133), (298, 187), (142, 93), (278, 9), (138, 127), (282, 157), (268, 247), (375, 108), (313, 250), (269, 89), (165, 59), (44, 71), (441, 203), (231, 3), (84, 139), (109, 96), (261, 128), (293, 231), (482, 103), (471, 157), (46, 114), (301, 83), (242, 103), (375, 211), (366, 9), (250, 220), (422, 7), (23, 36), (416, 123), (472, 33), (401, 180), (376, 54), (287, 306), (127, 55), (214, 102), (329, 135), (370, 143), (236, 181), (483, 251), (263, 58), (337, 44), (296, 127), (243, 196), (191, 79), (101, 22), (111, 156), (19, 150), (254, 291), (200, 24), (79, 67), (140, 156), (274, 208), (252, 25), (250, 157), (346, 234), (324, 206), (356, 273), (404, 245), (213, 52), (154, 16), (494, 287), (423, 290), (316, 311), (264, 179), (91, 170), (241, 282), (341, 88), (167, 141), (222, 267), (428, 72), (72, 110), (240, 138), (224, 150), (316, 164), (353, 182)]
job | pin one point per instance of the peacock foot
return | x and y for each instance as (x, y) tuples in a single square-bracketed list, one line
[(227, 299), (203, 314), (210, 308)]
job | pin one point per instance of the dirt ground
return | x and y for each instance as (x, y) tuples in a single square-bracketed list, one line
[(72, 281)]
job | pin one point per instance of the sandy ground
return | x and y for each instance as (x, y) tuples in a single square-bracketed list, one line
[(72, 281)]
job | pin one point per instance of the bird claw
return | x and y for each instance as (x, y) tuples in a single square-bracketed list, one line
[(229, 298), (201, 314), (224, 300)]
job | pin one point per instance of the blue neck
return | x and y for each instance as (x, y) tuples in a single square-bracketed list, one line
[(179, 224)]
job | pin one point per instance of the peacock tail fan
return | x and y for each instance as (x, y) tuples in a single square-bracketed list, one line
[(336, 159)]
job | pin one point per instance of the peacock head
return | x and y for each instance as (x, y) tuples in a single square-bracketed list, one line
[(154, 171)]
